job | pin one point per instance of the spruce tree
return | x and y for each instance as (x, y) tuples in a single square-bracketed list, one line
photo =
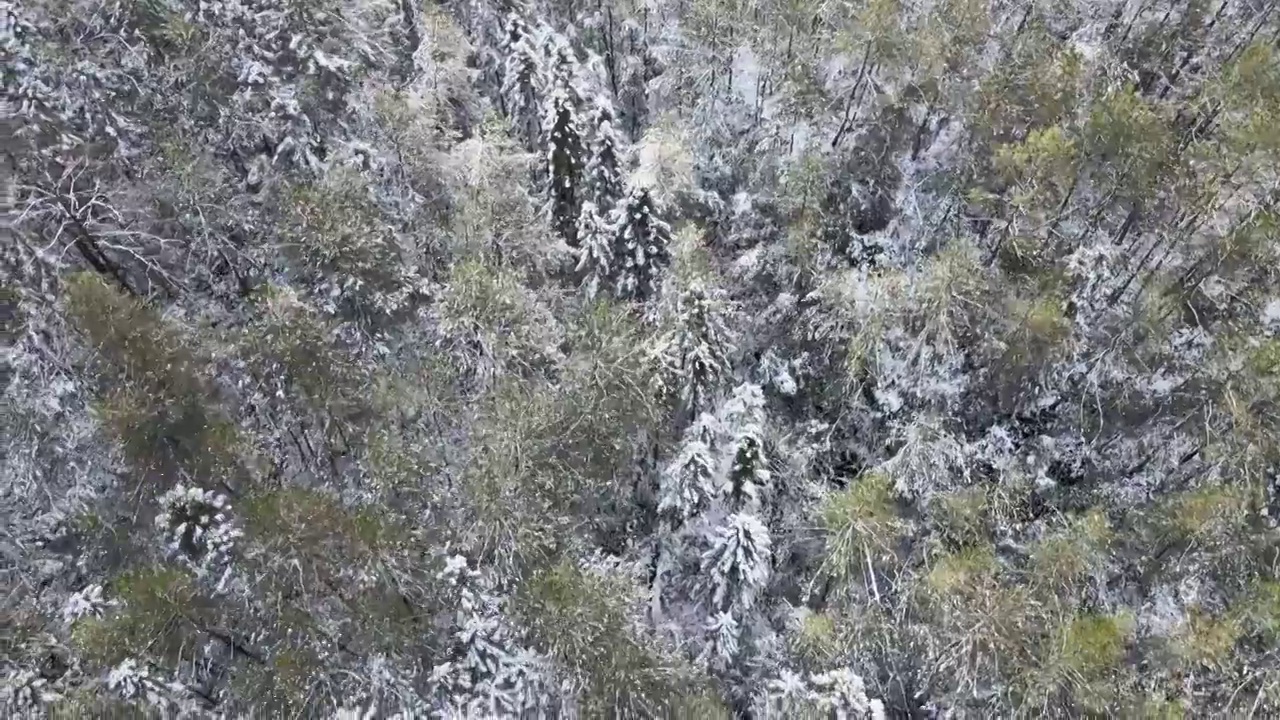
[(640, 245), (604, 164), (698, 353), (687, 484), (524, 78), (596, 231), (747, 476), (562, 139)]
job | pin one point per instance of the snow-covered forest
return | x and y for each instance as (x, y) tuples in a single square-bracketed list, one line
[(640, 359)]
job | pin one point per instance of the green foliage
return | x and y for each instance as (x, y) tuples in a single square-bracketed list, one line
[(308, 545), (494, 208), (1036, 88), (1044, 320), (159, 616), (291, 342), (315, 530), (1023, 255), (1064, 560), (606, 387), (1265, 359), (158, 403), (994, 627), (513, 483), (1157, 708), (583, 619), (860, 520), (962, 517), (1252, 98), (182, 435), (1092, 644), (90, 703), (336, 230), (166, 29), (1207, 514), (285, 687), (1206, 640), (136, 346), (968, 571), (1086, 656), (486, 309), (398, 460), (549, 458), (1037, 331), (1259, 610), (1133, 141), (12, 324), (819, 638), (1043, 166), (1253, 243), (955, 284)]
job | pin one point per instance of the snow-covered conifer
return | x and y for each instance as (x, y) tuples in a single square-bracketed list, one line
[(524, 77), (840, 693), (738, 563), (603, 167), (723, 632), (747, 475), (85, 603), (699, 350), (24, 693), (595, 236), (490, 674), (642, 240), (134, 681), (735, 569), (844, 693), (687, 483), (931, 460), (602, 187), (197, 526), (786, 695), (562, 140)]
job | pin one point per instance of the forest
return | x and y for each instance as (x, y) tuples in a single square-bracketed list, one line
[(819, 359)]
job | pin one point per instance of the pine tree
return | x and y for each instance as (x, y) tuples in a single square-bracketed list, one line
[(196, 527), (604, 158), (490, 675), (699, 350), (748, 475), (736, 568), (688, 484), (596, 232), (738, 563), (523, 79), (595, 235), (562, 138), (641, 244)]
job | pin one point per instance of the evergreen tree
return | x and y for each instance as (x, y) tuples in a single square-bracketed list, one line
[(640, 245), (595, 235), (687, 484), (604, 163), (738, 563), (747, 476), (490, 674), (562, 136), (698, 352), (596, 231), (524, 78), (736, 568)]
